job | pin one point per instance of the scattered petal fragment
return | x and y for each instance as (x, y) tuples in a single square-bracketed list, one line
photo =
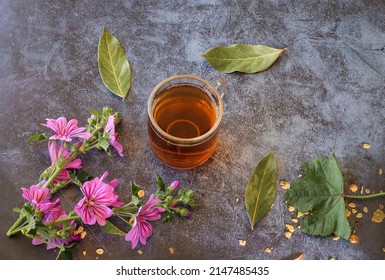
[(352, 205), (287, 234), (378, 216), (289, 227), (284, 185), (99, 251), (242, 242), (353, 188), (366, 145), (354, 239), (335, 237)]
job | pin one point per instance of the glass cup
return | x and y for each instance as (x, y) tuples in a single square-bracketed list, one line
[(184, 116)]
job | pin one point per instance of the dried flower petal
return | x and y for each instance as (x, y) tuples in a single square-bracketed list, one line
[(139, 252), (354, 239), (365, 209), (284, 185), (140, 193), (348, 213), (352, 205), (289, 227), (354, 211), (294, 220), (287, 234), (268, 250), (171, 250), (291, 208), (99, 251), (353, 188), (381, 206), (380, 171), (242, 242), (84, 252), (366, 145), (359, 215), (299, 214), (367, 191), (378, 216), (335, 237), (83, 234), (79, 230)]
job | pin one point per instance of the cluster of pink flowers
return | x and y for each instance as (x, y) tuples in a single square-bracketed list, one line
[(40, 199), (51, 224)]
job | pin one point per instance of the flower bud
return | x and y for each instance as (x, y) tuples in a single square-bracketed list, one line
[(174, 185), (184, 212)]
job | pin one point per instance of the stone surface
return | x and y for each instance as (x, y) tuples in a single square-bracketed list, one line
[(324, 95)]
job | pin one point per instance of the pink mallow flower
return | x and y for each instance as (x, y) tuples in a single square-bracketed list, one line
[(141, 229), (66, 130), (55, 241), (39, 198), (55, 154), (110, 128), (98, 196)]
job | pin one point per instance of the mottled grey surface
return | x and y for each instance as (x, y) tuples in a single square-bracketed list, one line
[(324, 94)]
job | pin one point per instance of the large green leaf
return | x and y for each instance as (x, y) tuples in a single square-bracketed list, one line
[(320, 191), (242, 58), (113, 64), (261, 189)]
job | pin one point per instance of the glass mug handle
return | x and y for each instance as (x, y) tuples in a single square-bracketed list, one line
[(220, 84)]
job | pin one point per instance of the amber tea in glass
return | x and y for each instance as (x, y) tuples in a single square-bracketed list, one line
[(184, 115)]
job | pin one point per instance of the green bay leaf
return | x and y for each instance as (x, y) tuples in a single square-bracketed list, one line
[(261, 189), (113, 64), (242, 58), (320, 192)]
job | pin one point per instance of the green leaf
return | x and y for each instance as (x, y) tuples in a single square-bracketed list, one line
[(37, 137), (242, 58), (159, 183), (66, 252), (261, 189), (320, 192), (78, 177), (112, 229), (113, 65), (104, 143), (134, 193)]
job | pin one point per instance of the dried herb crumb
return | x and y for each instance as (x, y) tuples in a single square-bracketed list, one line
[(99, 251), (242, 242)]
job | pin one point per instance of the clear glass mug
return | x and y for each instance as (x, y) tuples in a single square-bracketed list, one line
[(184, 116)]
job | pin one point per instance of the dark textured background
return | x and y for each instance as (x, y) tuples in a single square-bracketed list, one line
[(324, 94)]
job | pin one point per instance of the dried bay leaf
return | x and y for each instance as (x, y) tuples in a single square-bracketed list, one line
[(261, 189), (113, 64), (242, 58), (320, 191)]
